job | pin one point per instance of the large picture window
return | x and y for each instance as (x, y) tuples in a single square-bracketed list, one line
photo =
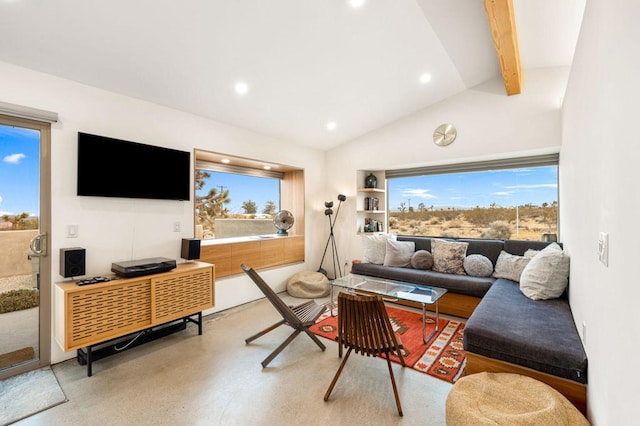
[(506, 199)]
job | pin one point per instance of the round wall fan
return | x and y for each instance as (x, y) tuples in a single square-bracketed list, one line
[(283, 220)]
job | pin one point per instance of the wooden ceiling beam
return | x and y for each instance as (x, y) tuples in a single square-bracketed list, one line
[(503, 30)]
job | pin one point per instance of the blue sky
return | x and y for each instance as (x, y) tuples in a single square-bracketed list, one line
[(19, 170), (243, 188), (506, 188)]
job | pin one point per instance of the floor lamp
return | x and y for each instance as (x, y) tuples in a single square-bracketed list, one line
[(332, 240)]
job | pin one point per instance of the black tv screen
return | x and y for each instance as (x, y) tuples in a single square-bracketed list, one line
[(110, 167)]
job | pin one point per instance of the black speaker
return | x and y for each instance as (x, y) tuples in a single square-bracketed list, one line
[(72, 262), (190, 248)]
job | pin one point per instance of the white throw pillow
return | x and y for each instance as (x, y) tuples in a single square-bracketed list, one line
[(399, 253), (510, 266), (547, 274), (374, 247)]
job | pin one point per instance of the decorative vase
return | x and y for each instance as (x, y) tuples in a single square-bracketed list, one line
[(371, 181)]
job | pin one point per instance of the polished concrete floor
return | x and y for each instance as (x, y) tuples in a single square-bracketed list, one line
[(215, 379)]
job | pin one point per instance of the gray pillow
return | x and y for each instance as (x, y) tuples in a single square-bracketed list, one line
[(510, 266), (547, 274), (422, 259), (399, 253), (477, 265), (448, 256)]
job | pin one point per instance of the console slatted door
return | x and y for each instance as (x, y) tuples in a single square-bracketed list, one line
[(179, 295), (98, 314)]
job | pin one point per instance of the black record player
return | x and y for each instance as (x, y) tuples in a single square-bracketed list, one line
[(136, 268)]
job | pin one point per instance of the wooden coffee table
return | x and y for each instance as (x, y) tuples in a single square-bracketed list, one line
[(393, 291)]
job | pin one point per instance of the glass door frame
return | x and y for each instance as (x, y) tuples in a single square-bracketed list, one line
[(44, 314)]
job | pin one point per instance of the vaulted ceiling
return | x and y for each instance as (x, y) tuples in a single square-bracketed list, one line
[(358, 64)]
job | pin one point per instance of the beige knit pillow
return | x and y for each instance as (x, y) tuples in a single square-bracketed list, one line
[(510, 266)]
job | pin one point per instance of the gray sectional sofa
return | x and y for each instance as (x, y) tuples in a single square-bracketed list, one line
[(506, 331)]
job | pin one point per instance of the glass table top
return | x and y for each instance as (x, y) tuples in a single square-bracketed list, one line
[(390, 288)]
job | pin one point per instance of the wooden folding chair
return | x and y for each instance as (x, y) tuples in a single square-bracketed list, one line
[(364, 326), (300, 317)]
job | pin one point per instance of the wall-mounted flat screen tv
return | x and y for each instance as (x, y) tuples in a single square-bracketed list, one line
[(110, 167)]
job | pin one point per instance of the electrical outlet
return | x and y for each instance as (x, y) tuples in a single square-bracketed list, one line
[(176, 226), (603, 248)]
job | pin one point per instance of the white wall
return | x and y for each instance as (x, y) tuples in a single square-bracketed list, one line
[(598, 174), (122, 229), (490, 125)]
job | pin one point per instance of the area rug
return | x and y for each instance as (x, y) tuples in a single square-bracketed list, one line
[(29, 393), (442, 357)]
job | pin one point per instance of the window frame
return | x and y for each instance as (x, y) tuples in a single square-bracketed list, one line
[(291, 183)]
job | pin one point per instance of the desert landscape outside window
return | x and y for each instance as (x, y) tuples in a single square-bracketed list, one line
[(235, 204), (497, 203)]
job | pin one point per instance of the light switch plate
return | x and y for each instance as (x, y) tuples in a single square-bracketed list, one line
[(603, 248), (72, 231)]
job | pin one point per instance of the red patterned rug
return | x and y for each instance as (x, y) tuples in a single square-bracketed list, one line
[(442, 357)]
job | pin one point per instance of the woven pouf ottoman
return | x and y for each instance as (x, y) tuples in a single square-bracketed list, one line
[(308, 285), (508, 399)]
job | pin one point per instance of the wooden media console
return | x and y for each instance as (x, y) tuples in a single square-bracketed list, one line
[(92, 315)]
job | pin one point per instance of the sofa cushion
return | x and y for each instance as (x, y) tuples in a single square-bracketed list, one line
[(399, 253), (448, 256), (460, 284), (374, 247), (519, 247), (538, 334), (510, 266), (489, 248), (422, 259), (477, 265), (422, 243), (547, 274)]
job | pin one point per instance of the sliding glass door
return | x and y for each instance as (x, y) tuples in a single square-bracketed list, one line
[(25, 279)]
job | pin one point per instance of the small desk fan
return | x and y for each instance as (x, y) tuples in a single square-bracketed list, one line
[(283, 220)]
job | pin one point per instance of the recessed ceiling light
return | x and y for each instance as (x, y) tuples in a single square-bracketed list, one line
[(225, 160), (241, 88), (425, 78), (331, 125), (357, 3)]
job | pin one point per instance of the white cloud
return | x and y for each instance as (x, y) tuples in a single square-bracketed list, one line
[(13, 158), (503, 193), (534, 186), (418, 193)]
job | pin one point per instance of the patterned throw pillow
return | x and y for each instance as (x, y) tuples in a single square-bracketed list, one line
[(399, 253), (510, 266), (422, 259), (375, 247), (448, 256), (477, 265)]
